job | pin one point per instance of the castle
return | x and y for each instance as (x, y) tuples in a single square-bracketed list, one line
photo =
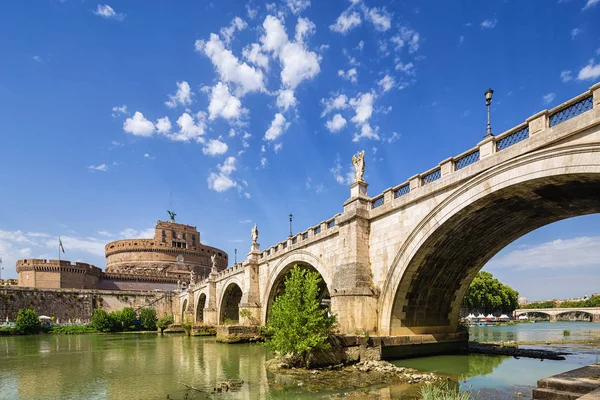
[(173, 257)]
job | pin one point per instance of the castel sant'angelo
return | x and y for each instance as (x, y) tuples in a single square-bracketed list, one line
[(175, 255)]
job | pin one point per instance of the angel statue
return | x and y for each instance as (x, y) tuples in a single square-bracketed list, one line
[(254, 234), (172, 215), (359, 165), (193, 277), (213, 260)]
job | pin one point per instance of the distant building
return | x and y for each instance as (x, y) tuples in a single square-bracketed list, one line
[(8, 282), (522, 301)]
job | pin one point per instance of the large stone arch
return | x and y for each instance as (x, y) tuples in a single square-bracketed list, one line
[(436, 263), (282, 267), (588, 313), (202, 300), (184, 307), (229, 300)]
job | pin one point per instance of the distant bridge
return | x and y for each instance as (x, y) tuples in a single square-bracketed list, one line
[(554, 313), (400, 262)]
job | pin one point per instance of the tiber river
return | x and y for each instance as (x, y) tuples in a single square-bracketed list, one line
[(148, 366)]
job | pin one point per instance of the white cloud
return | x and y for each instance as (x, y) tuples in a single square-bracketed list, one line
[(347, 21), (363, 107), (222, 181), (366, 132), (237, 24), (591, 3), (253, 53), (148, 156), (297, 62), (231, 132), (297, 6), (386, 83), (245, 221), (119, 110), (215, 147), (350, 75), (340, 102), (130, 233), (188, 129), (138, 125), (408, 69), (101, 167), (223, 104), (277, 147), (38, 59), (251, 12), (106, 11), (548, 98), (278, 126), (163, 125), (575, 32), (341, 177), (489, 23), (87, 245), (566, 76), (286, 99), (381, 19), (562, 253), (304, 28), (590, 71), (263, 162), (336, 123), (406, 37), (247, 78), (183, 96), (392, 138)]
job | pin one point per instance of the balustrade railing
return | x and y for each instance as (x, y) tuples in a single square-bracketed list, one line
[(467, 160), (513, 138), (402, 190), (378, 202), (318, 229), (572, 110), (432, 176)]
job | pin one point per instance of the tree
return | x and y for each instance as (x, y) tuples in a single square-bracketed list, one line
[(297, 325), (164, 322), (27, 322), (124, 318), (148, 319), (487, 294), (103, 321)]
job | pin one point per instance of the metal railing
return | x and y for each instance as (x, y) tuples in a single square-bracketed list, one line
[(467, 160), (513, 138), (402, 190), (432, 176), (571, 111), (378, 202)]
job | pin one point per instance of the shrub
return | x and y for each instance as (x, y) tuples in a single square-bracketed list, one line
[(187, 328), (442, 391), (73, 329), (27, 322), (124, 319), (566, 332), (164, 322), (297, 325), (103, 321), (148, 319)]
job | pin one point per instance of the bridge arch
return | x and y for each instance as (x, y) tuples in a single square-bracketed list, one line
[(589, 314), (434, 266), (230, 298), (276, 277), (184, 307), (200, 304)]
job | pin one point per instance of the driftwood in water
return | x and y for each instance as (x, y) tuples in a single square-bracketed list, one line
[(494, 349)]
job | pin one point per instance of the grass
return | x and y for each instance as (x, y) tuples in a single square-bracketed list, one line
[(566, 332), (442, 391), (72, 329)]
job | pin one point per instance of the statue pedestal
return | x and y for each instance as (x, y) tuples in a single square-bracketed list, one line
[(254, 254), (358, 189)]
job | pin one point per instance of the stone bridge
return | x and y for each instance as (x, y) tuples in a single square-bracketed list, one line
[(399, 263), (553, 313)]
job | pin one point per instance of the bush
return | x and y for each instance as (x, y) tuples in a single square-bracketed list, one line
[(297, 325), (27, 322), (442, 391), (164, 322), (566, 332), (102, 321), (148, 319), (73, 329), (187, 328)]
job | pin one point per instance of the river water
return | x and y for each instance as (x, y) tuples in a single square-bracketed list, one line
[(148, 366)]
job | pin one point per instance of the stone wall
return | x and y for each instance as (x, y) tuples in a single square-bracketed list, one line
[(65, 304)]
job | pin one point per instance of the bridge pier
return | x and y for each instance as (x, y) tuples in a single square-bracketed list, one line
[(596, 317), (211, 316)]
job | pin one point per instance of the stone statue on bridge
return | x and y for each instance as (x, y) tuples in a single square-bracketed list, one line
[(193, 277), (358, 161), (254, 234), (213, 260)]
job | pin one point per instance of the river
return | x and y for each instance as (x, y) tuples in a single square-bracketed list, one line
[(148, 366)]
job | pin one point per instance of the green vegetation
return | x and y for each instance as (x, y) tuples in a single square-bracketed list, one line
[(164, 323), (27, 322), (116, 321), (187, 327), (297, 325), (148, 319), (73, 329), (124, 319), (102, 322), (566, 332), (487, 294), (443, 391), (593, 301)]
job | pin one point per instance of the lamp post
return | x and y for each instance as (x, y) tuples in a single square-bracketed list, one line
[(488, 102), (291, 224), (235, 256)]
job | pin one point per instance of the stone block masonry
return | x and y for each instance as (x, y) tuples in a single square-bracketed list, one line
[(73, 304)]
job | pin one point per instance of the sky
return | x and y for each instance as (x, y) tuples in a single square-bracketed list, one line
[(242, 112)]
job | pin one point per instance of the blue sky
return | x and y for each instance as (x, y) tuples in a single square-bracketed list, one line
[(247, 111)]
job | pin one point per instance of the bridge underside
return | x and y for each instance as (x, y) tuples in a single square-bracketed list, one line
[(436, 279)]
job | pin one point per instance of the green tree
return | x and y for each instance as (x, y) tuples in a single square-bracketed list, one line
[(103, 321), (487, 294), (148, 319), (124, 319), (164, 323), (27, 322), (297, 325)]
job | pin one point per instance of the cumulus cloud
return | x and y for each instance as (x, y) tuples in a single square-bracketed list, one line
[(347, 21), (253, 53), (363, 107), (566, 76), (106, 11), (591, 3), (338, 102), (367, 132), (575, 32), (386, 83), (406, 37), (223, 104), (350, 75), (297, 6), (230, 69), (183, 96), (380, 18), (590, 71), (163, 125), (222, 181), (548, 98), (489, 23), (336, 123), (101, 167), (138, 125), (237, 24), (278, 126), (286, 99), (190, 129), (215, 147), (119, 110)]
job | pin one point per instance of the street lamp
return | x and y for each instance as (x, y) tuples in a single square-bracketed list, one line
[(488, 102), (291, 224), (235, 257)]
